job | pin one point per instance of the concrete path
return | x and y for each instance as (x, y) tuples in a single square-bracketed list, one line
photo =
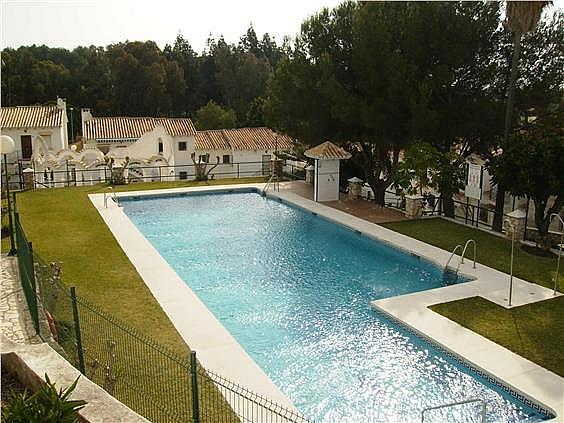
[(15, 320)]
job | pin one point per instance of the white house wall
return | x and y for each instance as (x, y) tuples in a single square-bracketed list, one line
[(251, 163), (56, 138), (182, 158)]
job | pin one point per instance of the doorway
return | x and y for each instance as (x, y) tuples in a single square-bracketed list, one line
[(26, 147)]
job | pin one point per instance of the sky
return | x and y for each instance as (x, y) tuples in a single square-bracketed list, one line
[(70, 23)]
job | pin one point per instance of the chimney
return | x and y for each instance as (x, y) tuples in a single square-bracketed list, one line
[(61, 103), (86, 115)]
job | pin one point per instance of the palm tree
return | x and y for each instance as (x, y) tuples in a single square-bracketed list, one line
[(520, 17)]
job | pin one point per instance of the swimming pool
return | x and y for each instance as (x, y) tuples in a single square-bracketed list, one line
[(294, 290)]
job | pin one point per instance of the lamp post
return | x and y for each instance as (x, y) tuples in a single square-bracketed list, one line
[(8, 146), (511, 228), (72, 124)]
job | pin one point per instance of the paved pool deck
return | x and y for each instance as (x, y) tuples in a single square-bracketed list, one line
[(219, 351)]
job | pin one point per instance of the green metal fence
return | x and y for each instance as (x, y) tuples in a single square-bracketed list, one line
[(146, 376), (25, 265)]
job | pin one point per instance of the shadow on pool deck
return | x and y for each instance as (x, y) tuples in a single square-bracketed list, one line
[(363, 209)]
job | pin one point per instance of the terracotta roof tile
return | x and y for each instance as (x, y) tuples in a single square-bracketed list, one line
[(31, 117), (211, 140), (259, 138), (327, 151), (132, 128)]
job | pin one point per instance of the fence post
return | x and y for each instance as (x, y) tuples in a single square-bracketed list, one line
[(526, 220), (77, 331), (33, 297), (466, 210), (237, 170), (195, 400), (20, 174), (14, 206)]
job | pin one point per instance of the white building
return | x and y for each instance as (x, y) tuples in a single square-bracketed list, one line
[(161, 148), (242, 152), (27, 125), (327, 157)]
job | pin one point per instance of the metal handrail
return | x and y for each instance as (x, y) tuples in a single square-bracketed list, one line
[(267, 184), (452, 404), (111, 195), (470, 241), (452, 255)]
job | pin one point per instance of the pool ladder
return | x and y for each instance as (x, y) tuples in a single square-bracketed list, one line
[(453, 404), (275, 183), (461, 261), (110, 194)]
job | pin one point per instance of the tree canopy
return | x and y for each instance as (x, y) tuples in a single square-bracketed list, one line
[(139, 78), (213, 116)]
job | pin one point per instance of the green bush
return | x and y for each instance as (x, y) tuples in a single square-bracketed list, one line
[(47, 405)]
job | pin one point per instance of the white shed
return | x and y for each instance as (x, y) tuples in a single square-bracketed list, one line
[(326, 174)]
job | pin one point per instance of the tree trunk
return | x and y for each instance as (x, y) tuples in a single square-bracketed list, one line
[(379, 188), (512, 86), (448, 205), (497, 224), (542, 220), (500, 197)]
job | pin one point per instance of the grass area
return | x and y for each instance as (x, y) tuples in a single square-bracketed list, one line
[(492, 250), (533, 331), (64, 227)]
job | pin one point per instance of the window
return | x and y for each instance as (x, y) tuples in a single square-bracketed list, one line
[(47, 139), (161, 147), (183, 175), (182, 146), (203, 158), (226, 159)]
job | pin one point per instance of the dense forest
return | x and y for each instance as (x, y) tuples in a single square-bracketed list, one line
[(140, 79)]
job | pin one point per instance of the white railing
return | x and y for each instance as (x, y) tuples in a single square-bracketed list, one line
[(470, 241)]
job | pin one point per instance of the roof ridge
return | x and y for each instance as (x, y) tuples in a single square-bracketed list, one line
[(33, 105), (137, 117)]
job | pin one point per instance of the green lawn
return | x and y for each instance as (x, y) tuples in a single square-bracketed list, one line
[(492, 250), (534, 331)]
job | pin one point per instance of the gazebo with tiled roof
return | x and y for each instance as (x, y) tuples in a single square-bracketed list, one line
[(327, 158)]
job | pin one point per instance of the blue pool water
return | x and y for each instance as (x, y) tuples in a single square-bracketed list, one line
[(295, 292)]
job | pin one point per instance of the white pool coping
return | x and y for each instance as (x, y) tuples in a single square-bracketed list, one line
[(217, 349)]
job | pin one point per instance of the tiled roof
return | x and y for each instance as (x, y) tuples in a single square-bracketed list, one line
[(327, 151), (260, 138), (211, 140), (132, 128), (31, 117)]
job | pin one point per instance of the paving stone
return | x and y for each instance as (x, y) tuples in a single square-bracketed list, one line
[(15, 320)]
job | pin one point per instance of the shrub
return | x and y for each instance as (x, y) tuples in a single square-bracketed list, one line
[(47, 405)]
